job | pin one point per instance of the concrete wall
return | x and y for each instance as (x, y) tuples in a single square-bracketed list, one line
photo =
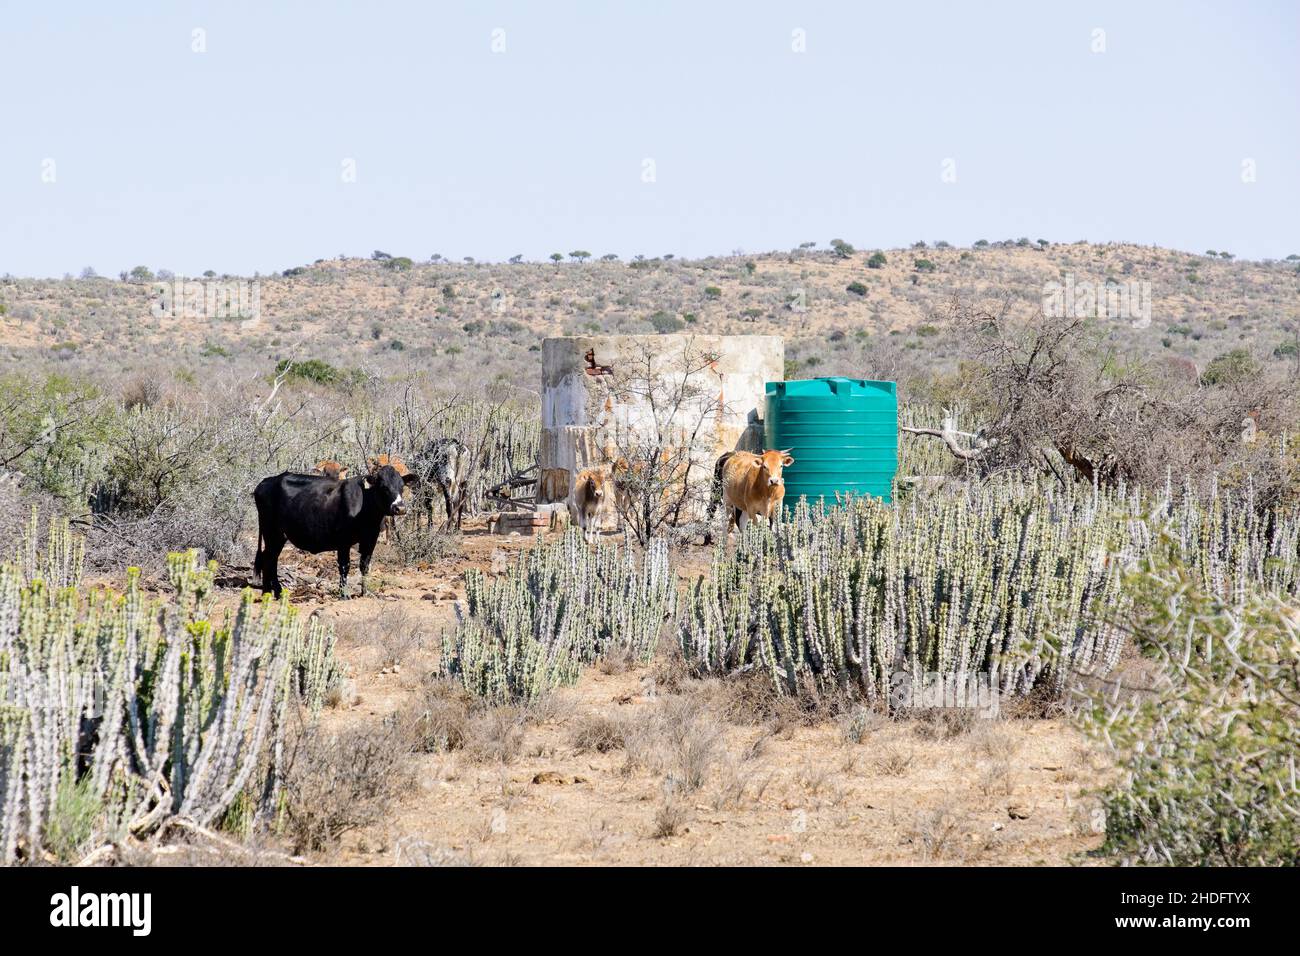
[(588, 412)]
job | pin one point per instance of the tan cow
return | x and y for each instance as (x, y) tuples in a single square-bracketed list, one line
[(586, 498), (331, 469), (752, 484), (374, 463)]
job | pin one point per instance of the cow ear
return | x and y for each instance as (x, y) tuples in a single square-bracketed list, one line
[(787, 459), (410, 478)]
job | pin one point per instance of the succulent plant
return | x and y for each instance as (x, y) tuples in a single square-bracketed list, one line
[(154, 707), (1007, 578), (561, 606)]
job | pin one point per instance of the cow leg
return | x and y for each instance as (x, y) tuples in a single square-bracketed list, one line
[(345, 564), (367, 548), (446, 501), (269, 560), (742, 520)]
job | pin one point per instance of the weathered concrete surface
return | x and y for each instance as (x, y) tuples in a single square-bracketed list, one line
[(595, 401)]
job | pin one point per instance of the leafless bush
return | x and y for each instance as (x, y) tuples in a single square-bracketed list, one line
[(496, 735), (670, 818), (662, 465), (1055, 396), (423, 542), (337, 783), (893, 762), (599, 733), (692, 742), (399, 634), (440, 721), (941, 723)]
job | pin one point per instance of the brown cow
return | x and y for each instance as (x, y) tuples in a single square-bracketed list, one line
[(586, 498), (752, 484), (374, 463), (331, 469)]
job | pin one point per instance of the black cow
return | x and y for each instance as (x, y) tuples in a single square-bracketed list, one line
[(317, 513)]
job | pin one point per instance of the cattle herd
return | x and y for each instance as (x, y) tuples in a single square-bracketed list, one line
[(325, 510)]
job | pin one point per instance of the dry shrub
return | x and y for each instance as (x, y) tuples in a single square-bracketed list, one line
[(738, 785), (670, 819), (679, 738), (599, 733), (496, 735), (937, 834), (943, 723), (894, 761), (751, 698), (440, 721), (691, 740), (394, 631), (337, 783)]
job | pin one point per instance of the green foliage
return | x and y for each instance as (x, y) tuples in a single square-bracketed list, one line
[(55, 429), (398, 263), (712, 292), (311, 370), (877, 261), (1230, 368), (841, 249), (857, 288), (923, 265), (73, 816), (1208, 759), (665, 322)]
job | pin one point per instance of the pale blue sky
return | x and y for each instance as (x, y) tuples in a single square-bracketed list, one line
[(231, 159)]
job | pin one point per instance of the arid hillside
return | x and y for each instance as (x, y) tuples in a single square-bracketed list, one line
[(840, 313)]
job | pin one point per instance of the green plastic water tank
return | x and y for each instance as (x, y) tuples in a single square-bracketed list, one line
[(843, 435)]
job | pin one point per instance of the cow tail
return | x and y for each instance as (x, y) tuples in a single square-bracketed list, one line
[(257, 557), (715, 494)]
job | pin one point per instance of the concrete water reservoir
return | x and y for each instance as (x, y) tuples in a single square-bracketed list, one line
[(606, 393)]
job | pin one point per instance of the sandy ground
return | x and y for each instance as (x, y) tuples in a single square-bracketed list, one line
[(629, 766)]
